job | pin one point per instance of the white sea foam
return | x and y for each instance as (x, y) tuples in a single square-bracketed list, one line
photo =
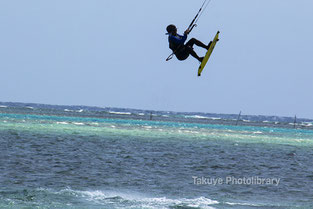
[(120, 113), (2, 106), (198, 117), (63, 123), (212, 118), (139, 200), (67, 110), (29, 107), (141, 114), (81, 110), (243, 204), (79, 124), (307, 124)]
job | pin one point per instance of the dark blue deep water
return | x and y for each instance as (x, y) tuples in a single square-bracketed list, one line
[(88, 157)]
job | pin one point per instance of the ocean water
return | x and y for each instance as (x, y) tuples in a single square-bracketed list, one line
[(89, 157)]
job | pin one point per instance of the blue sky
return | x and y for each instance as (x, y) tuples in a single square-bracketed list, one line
[(111, 53)]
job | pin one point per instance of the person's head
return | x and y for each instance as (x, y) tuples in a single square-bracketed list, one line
[(171, 29)]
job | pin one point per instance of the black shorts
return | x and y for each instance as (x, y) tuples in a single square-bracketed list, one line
[(182, 53)]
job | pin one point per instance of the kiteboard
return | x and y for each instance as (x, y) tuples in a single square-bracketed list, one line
[(208, 54)]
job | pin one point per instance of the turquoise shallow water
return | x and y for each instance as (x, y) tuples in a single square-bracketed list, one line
[(52, 157)]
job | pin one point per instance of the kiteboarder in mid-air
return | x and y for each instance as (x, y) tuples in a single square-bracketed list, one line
[(177, 42), (178, 46), (182, 50)]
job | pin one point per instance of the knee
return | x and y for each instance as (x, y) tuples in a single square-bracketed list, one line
[(192, 41)]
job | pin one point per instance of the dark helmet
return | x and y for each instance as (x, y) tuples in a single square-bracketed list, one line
[(171, 28)]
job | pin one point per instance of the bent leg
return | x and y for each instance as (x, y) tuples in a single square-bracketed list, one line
[(190, 50), (193, 41)]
